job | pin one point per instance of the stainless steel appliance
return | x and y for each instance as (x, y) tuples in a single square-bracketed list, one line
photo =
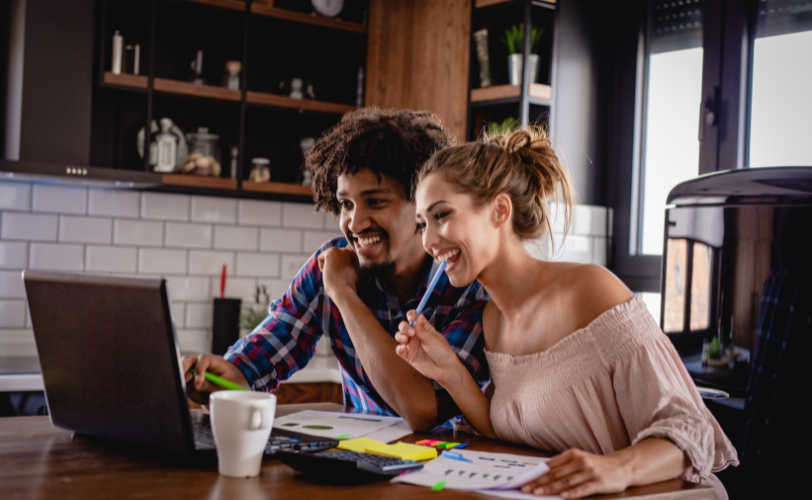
[(737, 279)]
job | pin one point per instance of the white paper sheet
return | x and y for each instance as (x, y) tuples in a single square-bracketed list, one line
[(485, 471), (332, 425), (392, 433)]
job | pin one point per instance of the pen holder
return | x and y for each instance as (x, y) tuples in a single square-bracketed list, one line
[(225, 325)]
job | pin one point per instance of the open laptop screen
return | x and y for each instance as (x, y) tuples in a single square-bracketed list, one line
[(109, 358)]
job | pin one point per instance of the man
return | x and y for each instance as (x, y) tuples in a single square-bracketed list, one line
[(358, 288)]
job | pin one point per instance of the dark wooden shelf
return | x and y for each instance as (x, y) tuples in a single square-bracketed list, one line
[(199, 181), (500, 92), (299, 17), (287, 102), (277, 188), (126, 80), (191, 89), (225, 4)]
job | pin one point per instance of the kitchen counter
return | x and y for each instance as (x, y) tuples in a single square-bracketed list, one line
[(19, 374)]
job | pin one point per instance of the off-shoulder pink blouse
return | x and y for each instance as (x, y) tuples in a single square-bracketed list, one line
[(605, 387)]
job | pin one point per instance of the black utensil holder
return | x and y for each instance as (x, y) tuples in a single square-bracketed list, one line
[(225, 325)]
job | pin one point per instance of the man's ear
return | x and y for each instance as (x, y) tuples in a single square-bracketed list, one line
[(502, 209)]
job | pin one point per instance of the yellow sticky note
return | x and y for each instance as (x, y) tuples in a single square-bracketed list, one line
[(358, 445), (407, 451), (401, 450)]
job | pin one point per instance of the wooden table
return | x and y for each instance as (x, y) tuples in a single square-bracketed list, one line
[(40, 461)]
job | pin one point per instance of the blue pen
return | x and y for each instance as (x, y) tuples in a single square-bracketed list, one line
[(455, 456), (430, 289)]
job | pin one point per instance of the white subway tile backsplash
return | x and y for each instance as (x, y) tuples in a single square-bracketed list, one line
[(111, 259), (164, 206), (259, 213), (138, 233), (258, 264), (236, 238), (161, 261), (26, 226), (179, 314), (17, 343), (275, 288), (280, 240), (59, 199), (13, 255), (113, 202), (206, 209), (202, 262), (198, 315), (331, 223), (184, 288), (575, 249), (194, 341), (291, 265), (538, 248), (15, 196), (12, 313), (599, 250), (11, 285), (56, 257), (188, 235), (74, 229), (589, 220), (313, 240), (301, 215), (28, 322), (236, 288)]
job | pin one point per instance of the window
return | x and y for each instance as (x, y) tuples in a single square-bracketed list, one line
[(781, 101), (674, 93)]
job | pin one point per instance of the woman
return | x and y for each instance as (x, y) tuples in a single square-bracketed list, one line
[(578, 364)]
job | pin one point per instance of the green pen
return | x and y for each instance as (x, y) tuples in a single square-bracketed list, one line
[(225, 384)]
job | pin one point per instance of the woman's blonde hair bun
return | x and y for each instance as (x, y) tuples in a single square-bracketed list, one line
[(522, 164)]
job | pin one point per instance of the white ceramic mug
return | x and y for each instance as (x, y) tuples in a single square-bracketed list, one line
[(242, 423)]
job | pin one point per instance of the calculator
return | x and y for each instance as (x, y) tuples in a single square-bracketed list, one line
[(342, 466)]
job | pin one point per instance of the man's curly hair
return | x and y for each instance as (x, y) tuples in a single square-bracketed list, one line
[(388, 142)]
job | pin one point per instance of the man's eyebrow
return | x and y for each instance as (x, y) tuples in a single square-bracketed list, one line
[(370, 192), (435, 204)]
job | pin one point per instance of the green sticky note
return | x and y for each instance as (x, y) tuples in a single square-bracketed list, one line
[(438, 486)]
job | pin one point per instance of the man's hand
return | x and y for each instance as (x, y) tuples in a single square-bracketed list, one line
[(339, 270), (197, 387), (577, 474), (426, 349)]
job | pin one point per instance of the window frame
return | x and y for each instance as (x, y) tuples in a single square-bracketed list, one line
[(728, 28)]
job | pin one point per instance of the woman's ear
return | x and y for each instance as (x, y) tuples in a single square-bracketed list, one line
[(502, 209)]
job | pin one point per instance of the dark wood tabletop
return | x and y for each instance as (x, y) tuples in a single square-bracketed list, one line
[(39, 461)]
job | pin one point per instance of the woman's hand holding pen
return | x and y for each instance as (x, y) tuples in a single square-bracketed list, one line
[(426, 349)]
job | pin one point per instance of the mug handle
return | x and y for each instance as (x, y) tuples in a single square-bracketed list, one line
[(259, 418)]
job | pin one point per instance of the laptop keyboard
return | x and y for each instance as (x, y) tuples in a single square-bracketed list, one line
[(204, 439)]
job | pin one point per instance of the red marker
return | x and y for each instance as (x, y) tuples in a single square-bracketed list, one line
[(223, 283)]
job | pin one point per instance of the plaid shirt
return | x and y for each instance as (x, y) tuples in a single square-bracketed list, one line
[(780, 374), (286, 340)]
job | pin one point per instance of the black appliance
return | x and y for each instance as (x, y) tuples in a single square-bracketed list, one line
[(737, 304)]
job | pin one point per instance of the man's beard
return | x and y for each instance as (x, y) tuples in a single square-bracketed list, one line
[(370, 271)]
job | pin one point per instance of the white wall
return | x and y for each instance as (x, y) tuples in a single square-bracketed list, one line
[(185, 239)]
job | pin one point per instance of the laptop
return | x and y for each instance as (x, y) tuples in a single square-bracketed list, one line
[(111, 364)]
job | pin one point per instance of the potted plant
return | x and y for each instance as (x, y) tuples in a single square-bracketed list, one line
[(514, 41), (253, 315)]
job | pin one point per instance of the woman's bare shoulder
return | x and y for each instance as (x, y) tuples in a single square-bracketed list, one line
[(592, 290), (490, 323)]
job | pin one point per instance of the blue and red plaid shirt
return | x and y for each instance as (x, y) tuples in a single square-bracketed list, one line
[(286, 340)]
